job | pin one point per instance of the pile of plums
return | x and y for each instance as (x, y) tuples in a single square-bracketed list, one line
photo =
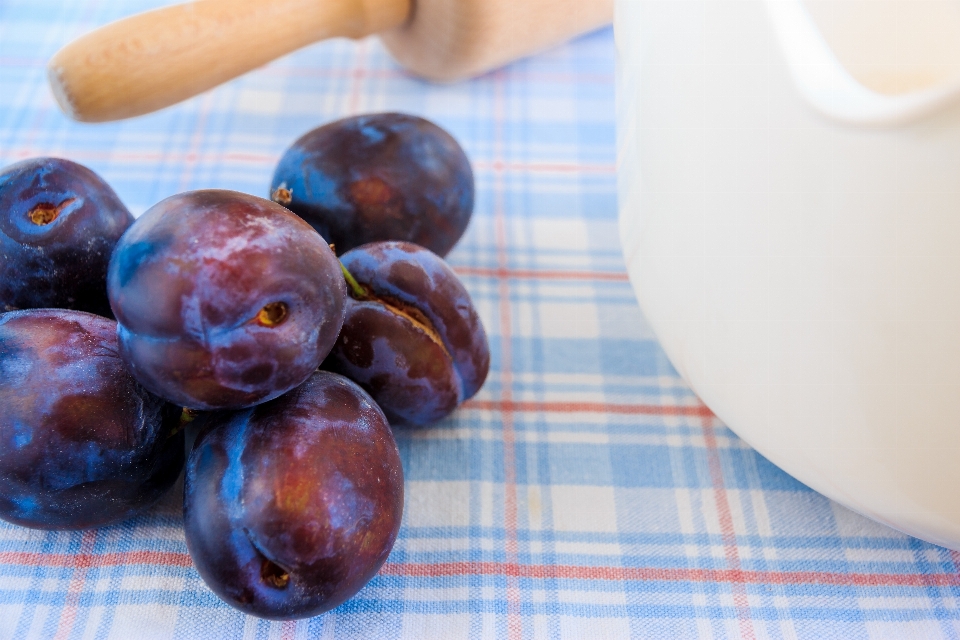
[(232, 315)]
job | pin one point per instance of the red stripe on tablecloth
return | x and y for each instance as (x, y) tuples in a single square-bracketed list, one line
[(740, 602), (589, 407), (86, 560), (77, 583), (532, 571), (625, 574), (206, 157), (212, 157), (546, 167), (532, 274), (510, 510), (358, 74), (190, 161), (290, 70)]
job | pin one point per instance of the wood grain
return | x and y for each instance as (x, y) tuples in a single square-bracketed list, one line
[(155, 59), (158, 58), (449, 40)]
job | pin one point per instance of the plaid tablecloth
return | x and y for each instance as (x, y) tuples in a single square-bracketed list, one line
[(584, 493)]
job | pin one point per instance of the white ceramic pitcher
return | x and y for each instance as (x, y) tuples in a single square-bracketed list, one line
[(790, 217)]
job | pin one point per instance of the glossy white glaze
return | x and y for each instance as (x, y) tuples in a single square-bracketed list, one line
[(801, 269)]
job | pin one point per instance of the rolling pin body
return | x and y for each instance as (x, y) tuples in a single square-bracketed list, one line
[(154, 59), (454, 39)]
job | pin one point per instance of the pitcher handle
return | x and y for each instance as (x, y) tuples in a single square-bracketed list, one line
[(829, 88)]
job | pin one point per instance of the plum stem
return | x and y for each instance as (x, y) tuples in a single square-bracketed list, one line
[(282, 195), (186, 417), (358, 290)]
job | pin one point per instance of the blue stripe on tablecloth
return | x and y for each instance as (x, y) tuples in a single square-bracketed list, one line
[(584, 492)]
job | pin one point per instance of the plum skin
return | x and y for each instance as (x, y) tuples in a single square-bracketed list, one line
[(59, 222), (386, 176), (81, 443), (292, 506), (412, 337), (223, 299)]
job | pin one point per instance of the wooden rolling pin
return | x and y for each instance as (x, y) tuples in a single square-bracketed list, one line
[(154, 59)]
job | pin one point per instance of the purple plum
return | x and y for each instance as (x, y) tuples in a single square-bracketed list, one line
[(81, 443), (384, 176), (59, 222), (292, 506), (411, 336), (224, 300)]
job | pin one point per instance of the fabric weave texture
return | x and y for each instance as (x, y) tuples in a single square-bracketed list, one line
[(584, 493)]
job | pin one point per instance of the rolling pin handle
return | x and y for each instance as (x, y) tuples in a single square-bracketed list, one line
[(155, 59)]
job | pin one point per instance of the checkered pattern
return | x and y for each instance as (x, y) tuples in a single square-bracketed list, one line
[(584, 493)]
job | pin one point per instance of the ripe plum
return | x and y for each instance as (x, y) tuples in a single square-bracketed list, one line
[(385, 176), (81, 443), (292, 506), (59, 222), (411, 336), (224, 300)]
